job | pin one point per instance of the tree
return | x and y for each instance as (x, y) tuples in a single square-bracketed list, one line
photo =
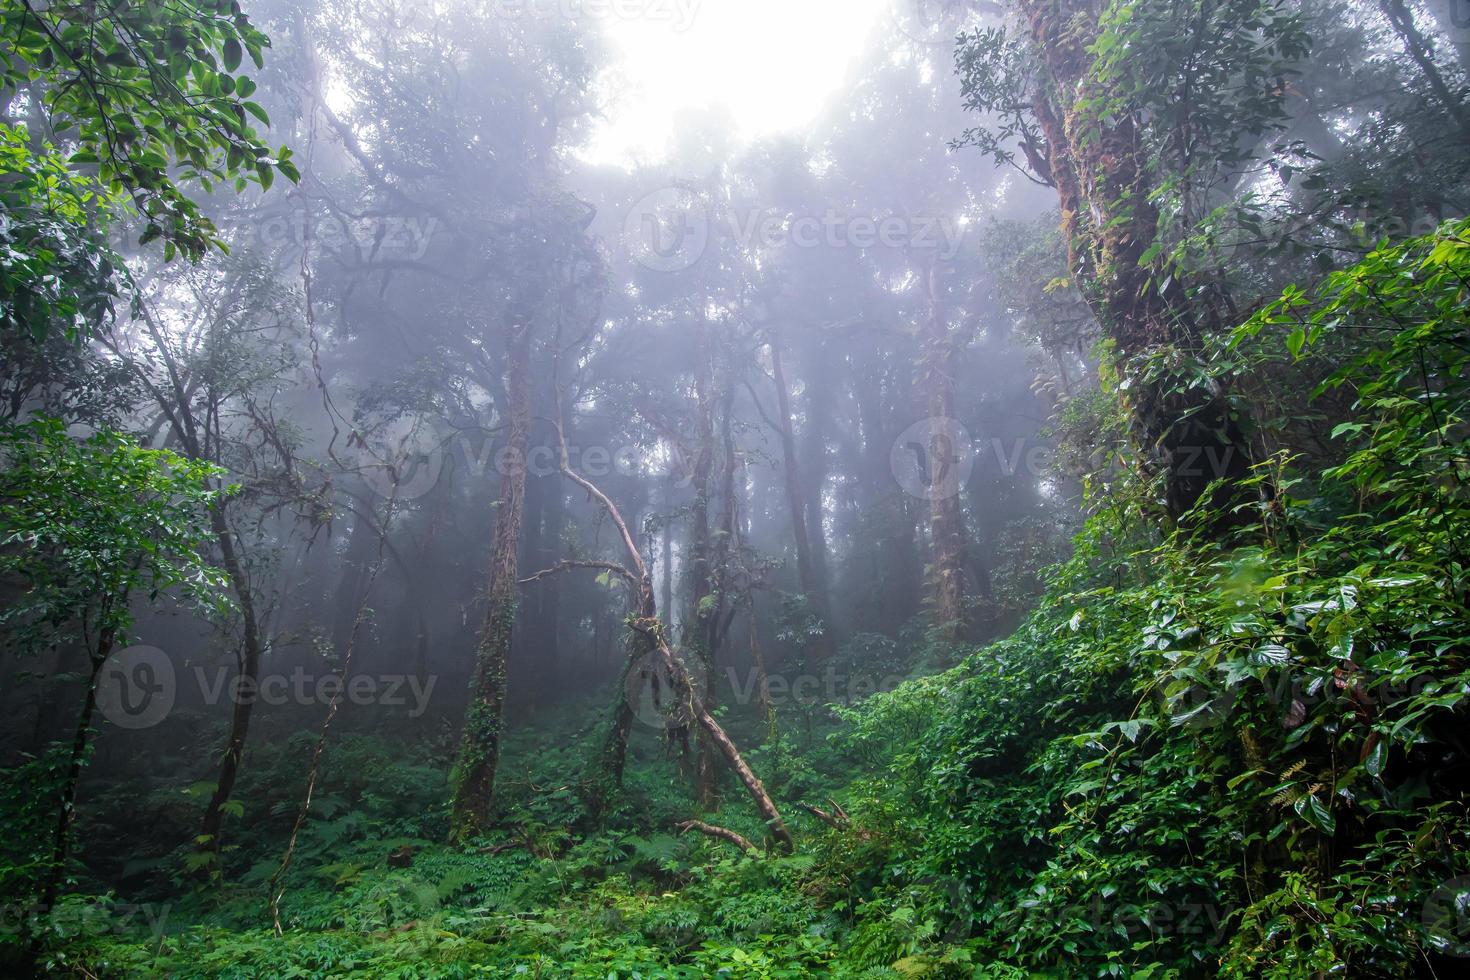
[(88, 524), (208, 374), (1132, 146)]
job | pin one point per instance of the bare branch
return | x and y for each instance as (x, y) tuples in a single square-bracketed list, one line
[(720, 833), (562, 566)]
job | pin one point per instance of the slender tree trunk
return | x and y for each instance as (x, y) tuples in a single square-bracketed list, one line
[(762, 678), (534, 553), (796, 497), (946, 520), (229, 768), (474, 775), (549, 659), (817, 398), (666, 540), (350, 581), (891, 594), (1422, 54), (421, 646), (66, 810), (703, 611), (607, 768)]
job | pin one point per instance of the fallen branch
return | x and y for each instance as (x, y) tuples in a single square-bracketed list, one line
[(829, 819), (648, 626), (722, 833)]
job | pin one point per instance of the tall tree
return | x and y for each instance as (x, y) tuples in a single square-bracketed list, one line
[(1087, 116), (474, 777)]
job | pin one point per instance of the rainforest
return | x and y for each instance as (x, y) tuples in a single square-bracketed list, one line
[(734, 488)]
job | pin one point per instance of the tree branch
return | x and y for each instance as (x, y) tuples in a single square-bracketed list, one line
[(562, 566), (720, 833)]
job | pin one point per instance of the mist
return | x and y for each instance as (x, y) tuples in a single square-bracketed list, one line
[(702, 488)]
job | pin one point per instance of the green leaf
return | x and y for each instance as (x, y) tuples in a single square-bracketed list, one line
[(1316, 813)]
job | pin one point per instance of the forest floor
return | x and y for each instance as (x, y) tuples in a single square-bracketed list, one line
[(375, 892)]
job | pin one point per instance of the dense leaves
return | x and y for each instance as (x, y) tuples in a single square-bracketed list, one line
[(145, 98)]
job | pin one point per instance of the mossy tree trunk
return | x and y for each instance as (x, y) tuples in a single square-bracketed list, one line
[(1183, 425), (474, 775), (946, 520)]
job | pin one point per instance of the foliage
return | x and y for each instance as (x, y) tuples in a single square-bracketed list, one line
[(56, 268), (1213, 747), (138, 85), (88, 522), (1228, 750)]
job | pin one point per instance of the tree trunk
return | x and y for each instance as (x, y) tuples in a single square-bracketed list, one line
[(66, 810), (946, 520), (890, 594), (703, 608), (1421, 52), (813, 479), (474, 777), (244, 706), (607, 768), (666, 556), (796, 498), (1185, 431)]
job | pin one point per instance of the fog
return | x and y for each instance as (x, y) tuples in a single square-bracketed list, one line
[(628, 391)]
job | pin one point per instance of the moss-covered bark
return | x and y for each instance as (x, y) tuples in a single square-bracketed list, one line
[(474, 774)]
